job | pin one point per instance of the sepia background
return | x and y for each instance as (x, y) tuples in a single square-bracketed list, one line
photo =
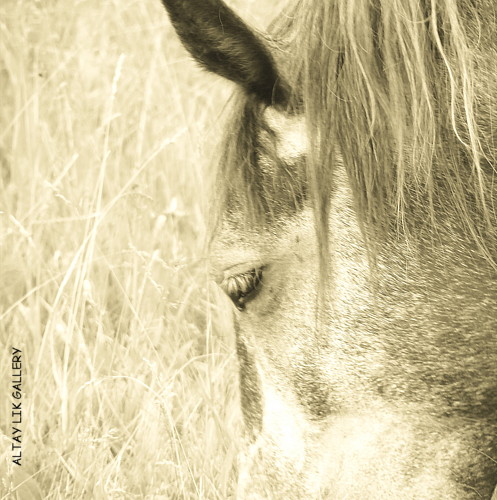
[(107, 132)]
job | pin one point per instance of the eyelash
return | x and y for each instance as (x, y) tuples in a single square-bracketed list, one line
[(242, 288)]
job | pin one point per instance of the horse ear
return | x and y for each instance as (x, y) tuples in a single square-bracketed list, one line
[(222, 43)]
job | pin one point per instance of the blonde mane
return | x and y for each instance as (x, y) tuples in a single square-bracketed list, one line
[(404, 92)]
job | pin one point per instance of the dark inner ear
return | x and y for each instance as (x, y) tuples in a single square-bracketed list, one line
[(222, 43)]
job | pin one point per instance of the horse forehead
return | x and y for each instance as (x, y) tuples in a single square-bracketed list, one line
[(283, 147)]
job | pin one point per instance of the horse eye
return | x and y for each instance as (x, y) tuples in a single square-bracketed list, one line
[(242, 288)]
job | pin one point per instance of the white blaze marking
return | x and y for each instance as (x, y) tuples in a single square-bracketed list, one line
[(290, 132)]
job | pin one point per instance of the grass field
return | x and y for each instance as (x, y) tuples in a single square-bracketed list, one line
[(107, 129)]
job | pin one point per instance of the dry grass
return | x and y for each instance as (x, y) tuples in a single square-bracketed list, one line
[(129, 375)]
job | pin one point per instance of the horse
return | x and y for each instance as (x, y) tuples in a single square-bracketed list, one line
[(354, 230)]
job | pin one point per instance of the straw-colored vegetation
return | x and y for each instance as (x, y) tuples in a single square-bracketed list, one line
[(128, 368)]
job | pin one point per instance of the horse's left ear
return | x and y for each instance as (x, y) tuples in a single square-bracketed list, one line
[(222, 43)]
